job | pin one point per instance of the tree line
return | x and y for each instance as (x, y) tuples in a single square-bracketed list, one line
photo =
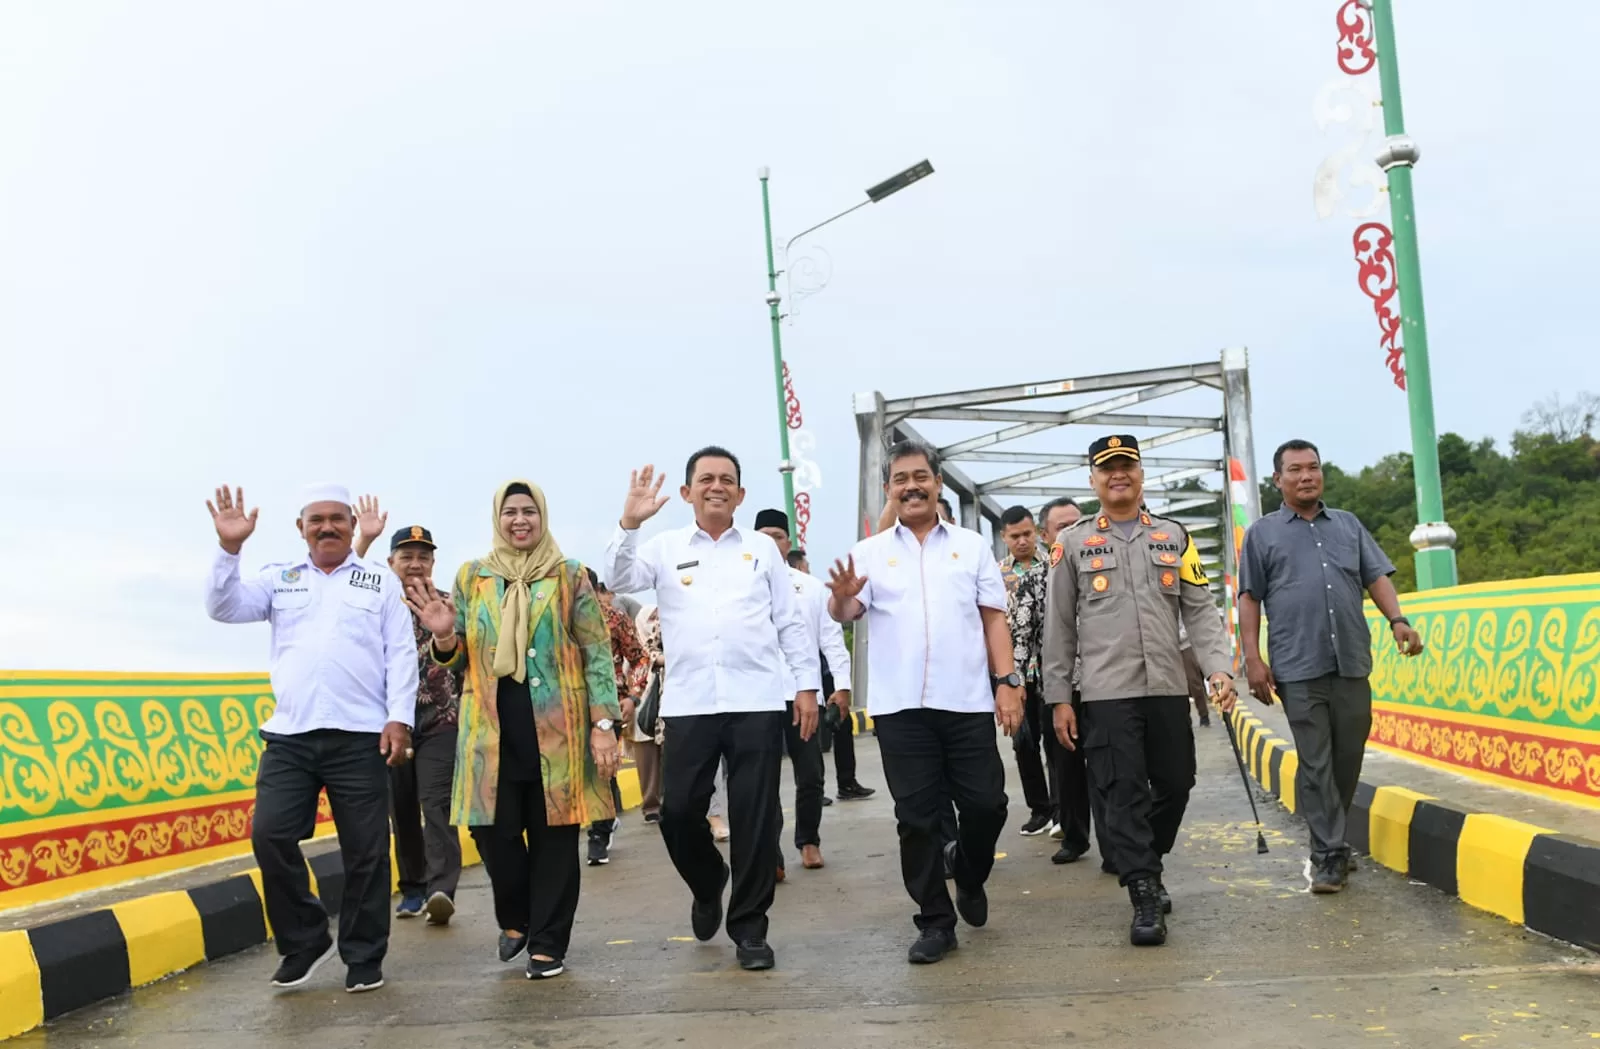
[(1531, 510)]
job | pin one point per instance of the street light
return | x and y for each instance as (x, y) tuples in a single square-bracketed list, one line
[(888, 187)]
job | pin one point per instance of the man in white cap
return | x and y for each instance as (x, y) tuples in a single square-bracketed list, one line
[(344, 671)]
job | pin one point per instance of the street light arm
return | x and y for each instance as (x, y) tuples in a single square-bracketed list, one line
[(824, 222)]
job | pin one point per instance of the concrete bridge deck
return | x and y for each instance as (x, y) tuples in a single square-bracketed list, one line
[(1253, 961)]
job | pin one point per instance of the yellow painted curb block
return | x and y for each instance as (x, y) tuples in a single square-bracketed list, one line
[(1490, 858)]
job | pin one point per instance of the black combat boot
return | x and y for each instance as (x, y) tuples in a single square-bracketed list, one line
[(1149, 927)]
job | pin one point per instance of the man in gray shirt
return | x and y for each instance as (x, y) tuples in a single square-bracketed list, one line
[(1307, 566)]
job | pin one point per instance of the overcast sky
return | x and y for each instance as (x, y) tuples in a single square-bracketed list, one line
[(421, 248)]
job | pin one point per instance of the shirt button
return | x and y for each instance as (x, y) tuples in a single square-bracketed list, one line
[(532, 653), (534, 682)]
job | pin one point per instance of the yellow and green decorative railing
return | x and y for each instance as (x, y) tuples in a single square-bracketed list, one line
[(1506, 689), (109, 777)]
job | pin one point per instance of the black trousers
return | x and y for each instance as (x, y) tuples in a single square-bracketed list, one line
[(1038, 792), (427, 848), (603, 829), (533, 867), (752, 744), (1078, 805), (930, 756), (1141, 755), (293, 771), (805, 756), (844, 752)]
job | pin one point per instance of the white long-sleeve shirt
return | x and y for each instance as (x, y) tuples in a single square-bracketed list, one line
[(730, 624), (826, 635), (343, 652), (923, 601)]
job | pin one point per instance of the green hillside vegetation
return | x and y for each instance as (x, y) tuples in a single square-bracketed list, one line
[(1532, 511)]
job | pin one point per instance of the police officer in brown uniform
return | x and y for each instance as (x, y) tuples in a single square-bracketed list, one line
[(1125, 580)]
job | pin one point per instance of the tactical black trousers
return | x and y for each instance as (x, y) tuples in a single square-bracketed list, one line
[(1141, 755)]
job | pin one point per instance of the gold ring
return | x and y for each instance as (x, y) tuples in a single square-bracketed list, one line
[(410, 753)]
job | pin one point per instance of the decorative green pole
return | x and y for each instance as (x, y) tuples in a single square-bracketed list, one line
[(785, 466), (1433, 539)]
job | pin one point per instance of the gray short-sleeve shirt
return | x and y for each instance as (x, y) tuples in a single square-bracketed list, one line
[(1310, 577)]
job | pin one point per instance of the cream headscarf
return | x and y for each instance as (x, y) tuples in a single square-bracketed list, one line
[(519, 568)]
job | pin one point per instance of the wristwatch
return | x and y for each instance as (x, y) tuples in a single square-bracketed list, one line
[(1399, 619), (605, 724), (1013, 679)]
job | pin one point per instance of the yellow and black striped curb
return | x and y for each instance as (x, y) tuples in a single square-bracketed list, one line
[(51, 969), (1546, 881)]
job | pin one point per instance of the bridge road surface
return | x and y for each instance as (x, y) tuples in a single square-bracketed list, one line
[(1252, 961)]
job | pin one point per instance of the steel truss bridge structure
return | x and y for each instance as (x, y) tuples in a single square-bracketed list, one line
[(1209, 485)]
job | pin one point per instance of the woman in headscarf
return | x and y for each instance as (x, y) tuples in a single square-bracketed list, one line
[(536, 744)]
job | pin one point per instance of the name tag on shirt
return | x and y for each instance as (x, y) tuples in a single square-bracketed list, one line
[(686, 564)]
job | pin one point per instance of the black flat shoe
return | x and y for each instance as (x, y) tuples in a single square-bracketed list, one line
[(511, 946), (932, 946), (544, 968), (756, 955)]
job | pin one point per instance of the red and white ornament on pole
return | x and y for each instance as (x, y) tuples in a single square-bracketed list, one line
[(802, 442), (1352, 101)]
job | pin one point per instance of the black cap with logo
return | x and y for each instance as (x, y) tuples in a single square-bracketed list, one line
[(1107, 448), (416, 535)]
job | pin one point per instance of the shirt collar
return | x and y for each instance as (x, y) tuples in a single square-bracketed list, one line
[(350, 560), (697, 534), (1288, 511), (909, 536)]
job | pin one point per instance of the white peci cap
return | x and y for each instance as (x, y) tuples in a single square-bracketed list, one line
[(324, 493)]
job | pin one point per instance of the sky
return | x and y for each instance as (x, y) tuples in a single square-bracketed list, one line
[(421, 249)]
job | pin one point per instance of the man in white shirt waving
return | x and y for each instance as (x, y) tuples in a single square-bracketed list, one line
[(730, 625), (344, 672), (936, 615)]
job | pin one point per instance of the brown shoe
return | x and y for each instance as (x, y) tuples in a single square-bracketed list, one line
[(782, 874), (811, 858)]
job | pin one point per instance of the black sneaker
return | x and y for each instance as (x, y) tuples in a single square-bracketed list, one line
[(705, 916), (1149, 928), (756, 955), (932, 946), (363, 978), (299, 967), (599, 851), (544, 968), (652, 817), (1166, 897), (971, 903), (1068, 854), (511, 946), (1036, 825), (440, 908), (826, 801), (855, 792), (1329, 876)]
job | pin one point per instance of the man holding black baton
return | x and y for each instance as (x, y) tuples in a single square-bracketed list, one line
[(1125, 580), (1307, 565)]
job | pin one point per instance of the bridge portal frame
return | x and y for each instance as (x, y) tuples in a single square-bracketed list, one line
[(1114, 403)]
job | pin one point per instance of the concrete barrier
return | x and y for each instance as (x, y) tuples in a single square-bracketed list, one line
[(110, 778), (1526, 874)]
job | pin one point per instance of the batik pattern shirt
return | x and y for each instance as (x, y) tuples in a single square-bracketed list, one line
[(628, 657), (438, 688)]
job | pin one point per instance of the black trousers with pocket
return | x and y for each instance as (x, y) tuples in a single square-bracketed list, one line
[(932, 758), (1141, 755), (293, 771), (427, 848), (805, 758), (752, 744)]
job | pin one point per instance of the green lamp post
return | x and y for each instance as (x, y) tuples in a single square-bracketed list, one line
[(1433, 539), (883, 189)]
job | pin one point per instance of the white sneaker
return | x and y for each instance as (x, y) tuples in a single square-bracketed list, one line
[(1056, 833)]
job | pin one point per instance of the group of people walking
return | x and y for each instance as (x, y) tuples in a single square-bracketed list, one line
[(499, 706)]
